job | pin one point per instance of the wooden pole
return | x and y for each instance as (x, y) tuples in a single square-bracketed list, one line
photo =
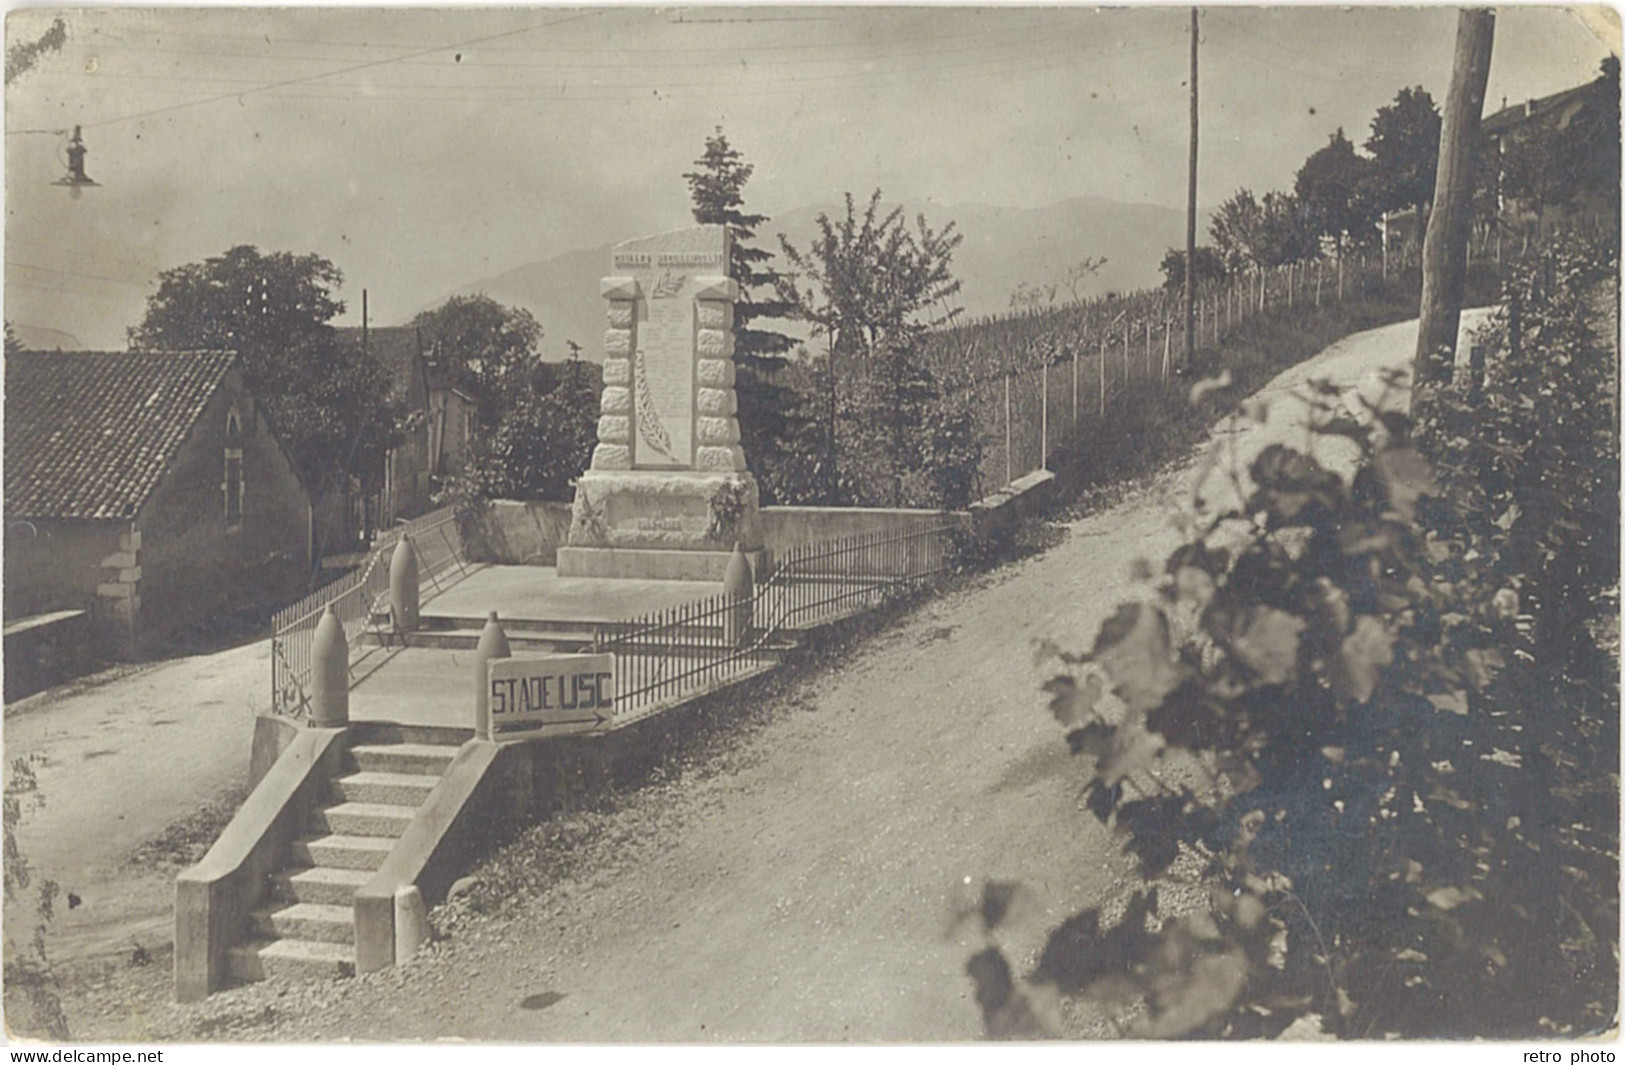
[(1103, 378), (1043, 423), (1008, 474), (1074, 388), (1190, 215), (1444, 250)]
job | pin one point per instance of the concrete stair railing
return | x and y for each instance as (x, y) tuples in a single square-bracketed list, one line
[(307, 927)]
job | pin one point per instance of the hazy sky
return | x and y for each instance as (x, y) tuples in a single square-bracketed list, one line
[(421, 149)]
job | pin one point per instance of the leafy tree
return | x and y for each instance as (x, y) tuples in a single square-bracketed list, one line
[(1333, 187), (1209, 267), (13, 345), (767, 408), (872, 287), (1250, 234), (540, 443), (1404, 147), (492, 348), (328, 398)]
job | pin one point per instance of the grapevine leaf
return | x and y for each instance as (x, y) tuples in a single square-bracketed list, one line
[(1136, 651), (1406, 476), (1361, 658), (1269, 644)]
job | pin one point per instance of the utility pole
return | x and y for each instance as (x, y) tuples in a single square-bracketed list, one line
[(1190, 221), (1444, 251)]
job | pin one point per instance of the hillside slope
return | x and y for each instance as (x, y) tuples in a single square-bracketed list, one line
[(1003, 247)]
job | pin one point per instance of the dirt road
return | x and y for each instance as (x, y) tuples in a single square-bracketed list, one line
[(802, 885), (120, 758)]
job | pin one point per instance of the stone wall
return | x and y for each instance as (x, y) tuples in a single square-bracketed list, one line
[(511, 533)]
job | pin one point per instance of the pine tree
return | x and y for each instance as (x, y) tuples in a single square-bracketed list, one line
[(767, 411)]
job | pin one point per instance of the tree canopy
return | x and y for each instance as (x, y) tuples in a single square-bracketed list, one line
[(768, 411), (1249, 233), (871, 283), (327, 397), (491, 347), (1209, 267), (1404, 147), (1333, 187), (717, 189)]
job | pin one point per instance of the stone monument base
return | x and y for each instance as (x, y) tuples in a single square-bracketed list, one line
[(660, 524)]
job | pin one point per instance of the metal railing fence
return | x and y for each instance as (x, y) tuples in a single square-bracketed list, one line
[(360, 598), (678, 653)]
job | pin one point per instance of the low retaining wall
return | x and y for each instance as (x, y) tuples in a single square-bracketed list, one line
[(213, 899), (996, 516), (511, 533), (44, 650)]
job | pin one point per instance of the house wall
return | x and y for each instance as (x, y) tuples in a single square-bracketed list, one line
[(58, 565), (190, 563), (450, 414), (406, 491)]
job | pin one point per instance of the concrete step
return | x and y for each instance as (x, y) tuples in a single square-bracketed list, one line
[(362, 819), (568, 628), (376, 786), (539, 643), (258, 959), (338, 851), (325, 885), (305, 920), (403, 757)]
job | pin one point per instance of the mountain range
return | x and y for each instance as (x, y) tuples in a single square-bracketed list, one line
[(1003, 247)]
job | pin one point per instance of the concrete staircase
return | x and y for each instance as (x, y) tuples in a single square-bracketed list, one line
[(307, 927)]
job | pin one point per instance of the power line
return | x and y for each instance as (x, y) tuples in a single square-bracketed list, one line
[(58, 247), (978, 41), (347, 70), (13, 264), (618, 91), (591, 49)]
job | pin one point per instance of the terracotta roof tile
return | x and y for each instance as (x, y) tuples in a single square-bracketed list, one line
[(88, 434)]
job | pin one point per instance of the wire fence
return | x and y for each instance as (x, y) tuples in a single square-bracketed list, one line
[(675, 654), (361, 600), (1038, 381)]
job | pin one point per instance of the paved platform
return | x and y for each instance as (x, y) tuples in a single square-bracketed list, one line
[(427, 686), (539, 593)]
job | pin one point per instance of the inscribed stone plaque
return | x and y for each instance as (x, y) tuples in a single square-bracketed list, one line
[(667, 269)]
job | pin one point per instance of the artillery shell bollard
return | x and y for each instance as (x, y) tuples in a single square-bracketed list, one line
[(330, 673), (411, 922), (403, 586), (739, 586), (493, 644)]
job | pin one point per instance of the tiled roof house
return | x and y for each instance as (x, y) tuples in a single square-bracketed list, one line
[(147, 489)]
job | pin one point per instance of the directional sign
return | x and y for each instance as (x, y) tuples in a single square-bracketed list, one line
[(551, 695)]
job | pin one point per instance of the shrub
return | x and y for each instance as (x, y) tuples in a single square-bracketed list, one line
[(1358, 717)]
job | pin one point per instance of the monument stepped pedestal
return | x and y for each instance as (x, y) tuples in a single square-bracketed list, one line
[(668, 495)]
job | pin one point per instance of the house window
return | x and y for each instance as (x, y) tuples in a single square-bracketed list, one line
[(233, 487)]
